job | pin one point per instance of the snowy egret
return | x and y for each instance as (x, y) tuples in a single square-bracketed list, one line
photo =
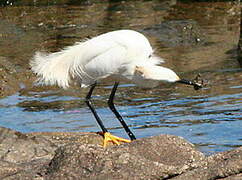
[(122, 54)]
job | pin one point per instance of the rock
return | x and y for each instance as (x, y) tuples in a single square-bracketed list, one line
[(13, 78), (217, 166), (178, 33), (156, 157), (239, 50), (23, 156), (81, 156), (17, 147)]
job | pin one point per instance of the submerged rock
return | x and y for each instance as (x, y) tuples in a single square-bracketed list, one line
[(178, 33), (80, 156)]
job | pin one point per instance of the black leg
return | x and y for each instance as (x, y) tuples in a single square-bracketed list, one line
[(114, 110), (89, 104)]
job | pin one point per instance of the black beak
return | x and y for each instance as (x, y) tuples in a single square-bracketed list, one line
[(192, 83)]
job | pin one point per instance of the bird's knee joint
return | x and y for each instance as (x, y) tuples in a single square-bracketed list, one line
[(88, 101)]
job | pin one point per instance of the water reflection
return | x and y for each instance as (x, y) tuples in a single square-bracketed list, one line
[(210, 118)]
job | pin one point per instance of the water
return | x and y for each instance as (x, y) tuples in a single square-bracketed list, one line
[(211, 118)]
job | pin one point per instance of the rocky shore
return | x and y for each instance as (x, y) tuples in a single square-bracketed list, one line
[(80, 156)]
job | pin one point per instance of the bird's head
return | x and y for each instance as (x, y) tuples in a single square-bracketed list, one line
[(159, 73)]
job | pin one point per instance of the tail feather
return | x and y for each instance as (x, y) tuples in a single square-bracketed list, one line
[(51, 69)]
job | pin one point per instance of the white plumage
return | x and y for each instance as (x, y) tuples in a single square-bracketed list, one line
[(123, 54)]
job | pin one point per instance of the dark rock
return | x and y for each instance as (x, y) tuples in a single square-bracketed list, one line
[(239, 50), (178, 32)]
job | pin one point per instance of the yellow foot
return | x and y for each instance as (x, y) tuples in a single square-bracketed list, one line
[(108, 137)]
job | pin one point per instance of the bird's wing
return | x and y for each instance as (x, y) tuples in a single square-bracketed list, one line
[(101, 65)]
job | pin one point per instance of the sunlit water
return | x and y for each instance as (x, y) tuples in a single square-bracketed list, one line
[(211, 118)]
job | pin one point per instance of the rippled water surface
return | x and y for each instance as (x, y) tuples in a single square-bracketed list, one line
[(211, 118)]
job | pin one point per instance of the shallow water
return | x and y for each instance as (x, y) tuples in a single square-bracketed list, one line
[(211, 118)]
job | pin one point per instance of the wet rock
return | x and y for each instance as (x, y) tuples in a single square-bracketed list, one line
[(8, 82), (11, 79), (81, 156), (239, 50), (178, 32)]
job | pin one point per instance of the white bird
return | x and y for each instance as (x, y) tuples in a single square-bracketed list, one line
[(123, 54)]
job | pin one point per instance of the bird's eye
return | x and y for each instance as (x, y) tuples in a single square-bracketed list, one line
[(150, 55)]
